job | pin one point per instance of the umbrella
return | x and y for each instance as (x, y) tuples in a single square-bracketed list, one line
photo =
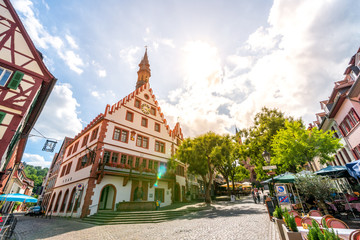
[(17, 197), (336, 171), (237, 185), (354, 169)]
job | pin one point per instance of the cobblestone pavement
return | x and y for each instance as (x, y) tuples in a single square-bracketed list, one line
[(241, 220)]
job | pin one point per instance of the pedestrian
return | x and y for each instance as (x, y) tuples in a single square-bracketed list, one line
[(157, 205), (258, 197), (253, 195)]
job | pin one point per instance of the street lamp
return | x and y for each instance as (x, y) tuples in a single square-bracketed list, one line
[(266, 156)]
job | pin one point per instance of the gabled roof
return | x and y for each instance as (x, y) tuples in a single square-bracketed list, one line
[(95, 121), (111, 109)]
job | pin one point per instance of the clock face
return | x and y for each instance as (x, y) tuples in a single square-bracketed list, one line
[(145, 108)]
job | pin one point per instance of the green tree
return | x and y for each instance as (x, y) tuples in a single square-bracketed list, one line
[(258, 137), (200, 154), (295, 146), (320, 187), (36, 174)]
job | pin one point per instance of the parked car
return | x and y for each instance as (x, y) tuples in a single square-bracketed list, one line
[(30, 210), (35, 211)]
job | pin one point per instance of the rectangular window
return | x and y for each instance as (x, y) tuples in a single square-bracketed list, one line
[(76, 146), (70, 150), (2, 116), (346, 155), (85, 140), (137, 162), (114, 157), (4, 76), (129, 116), (157, 127), (159, 147), (68, 168), (344, 129), (336, 135), (354, 117), (15, 80), (124, 136), (137, 103), (117, 132), (142, 141), (130, 160), (156, 164), (123, 158), (94, 134), (150, 164), (143, 164), (144, 122), (63, 171), (350, 123), (153, 111), (107, 156)]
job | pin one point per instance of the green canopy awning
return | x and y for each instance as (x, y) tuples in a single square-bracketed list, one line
[(333, 171)]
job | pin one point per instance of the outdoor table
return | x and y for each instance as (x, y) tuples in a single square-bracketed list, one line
[(332, 206), (343, 233)]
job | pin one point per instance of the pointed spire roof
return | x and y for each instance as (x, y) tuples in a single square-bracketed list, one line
[(144, 72)]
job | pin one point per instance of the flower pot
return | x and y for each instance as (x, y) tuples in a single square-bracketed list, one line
[(279, 223), (289, 235)]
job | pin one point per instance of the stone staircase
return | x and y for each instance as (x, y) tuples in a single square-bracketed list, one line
[(111, 217)]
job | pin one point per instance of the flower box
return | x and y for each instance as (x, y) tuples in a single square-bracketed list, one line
[(279, 223), (289, 235)]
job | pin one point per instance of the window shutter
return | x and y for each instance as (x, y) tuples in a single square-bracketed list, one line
[(2, 116), (16, 79)]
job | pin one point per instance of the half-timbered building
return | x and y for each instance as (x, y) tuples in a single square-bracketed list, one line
[(25, 84), (121, 157)]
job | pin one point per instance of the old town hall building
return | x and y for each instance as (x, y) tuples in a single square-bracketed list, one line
[(120, 158)]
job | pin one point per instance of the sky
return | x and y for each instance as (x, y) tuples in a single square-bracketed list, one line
[(214, 64)]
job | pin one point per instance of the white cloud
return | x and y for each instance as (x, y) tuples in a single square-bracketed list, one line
[(101, 73), (290, 64), (43, 39), (129, 55), (60, 117), (72, 42), (73, 60), (108, 95), (35, 160)]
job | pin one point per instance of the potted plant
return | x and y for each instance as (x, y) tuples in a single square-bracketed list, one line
[(290, 228), (315, 233), (278, 218)]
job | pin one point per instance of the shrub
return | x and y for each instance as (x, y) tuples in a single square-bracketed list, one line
[(278, 213), (315, 233)]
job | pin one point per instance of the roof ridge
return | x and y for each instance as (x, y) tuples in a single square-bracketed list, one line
[(91, 124)]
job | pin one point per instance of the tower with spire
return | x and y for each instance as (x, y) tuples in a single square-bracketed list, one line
[(144, 72)]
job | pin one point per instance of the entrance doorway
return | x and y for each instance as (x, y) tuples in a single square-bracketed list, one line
[(177, 192), (107, 198)]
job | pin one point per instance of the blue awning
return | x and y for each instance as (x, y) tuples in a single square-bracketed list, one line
[(354, 168)]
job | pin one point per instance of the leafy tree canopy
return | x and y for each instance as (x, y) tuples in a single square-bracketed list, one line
[(36, 174), (259, 137), (294, 146)]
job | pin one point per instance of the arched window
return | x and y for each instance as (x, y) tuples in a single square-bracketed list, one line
[(52, 201), (62, 208), (71, 200), (57, 202)]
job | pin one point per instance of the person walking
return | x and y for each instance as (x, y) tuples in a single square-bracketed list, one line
[(253, 195), (258, 197)]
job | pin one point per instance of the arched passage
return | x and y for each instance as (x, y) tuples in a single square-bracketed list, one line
[(107, 197)]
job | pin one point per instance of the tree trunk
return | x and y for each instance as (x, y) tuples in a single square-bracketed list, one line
[(207, 194), (228, 186)]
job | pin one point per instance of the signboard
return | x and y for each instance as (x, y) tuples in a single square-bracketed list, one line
[(270, 207), (270, 173), (80, 186), (281, 190), (269, 167), (283, 200)]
